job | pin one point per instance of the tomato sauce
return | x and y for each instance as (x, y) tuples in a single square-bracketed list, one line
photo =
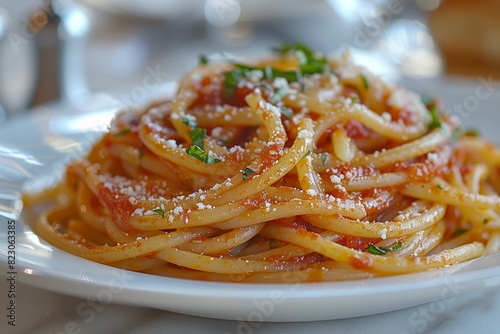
[(119, 207)]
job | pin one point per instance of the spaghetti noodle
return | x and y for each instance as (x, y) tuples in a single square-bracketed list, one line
[(294, 167)]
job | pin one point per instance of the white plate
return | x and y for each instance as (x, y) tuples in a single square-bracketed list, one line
[(37, 144)]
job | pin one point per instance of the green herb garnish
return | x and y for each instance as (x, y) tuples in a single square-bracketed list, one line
[(203, 60), (247, 172), (141, 153), (460, 231), (279, 95), (427, 99), (486, 221), (304, 53), (160, 212), (286, 111), (440, 186), (200, 154), (455, 135), (308, 61), (308, 153), (364, 80), (189, 122), (382, 250), (231, 82), (436, 121), (123, 132), (197, 135)]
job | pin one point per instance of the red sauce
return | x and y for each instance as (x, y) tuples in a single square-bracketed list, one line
[(357, 243), (303, 261), (400, 115), (305, 233), (356, 130), (270, 156), (295, 223), (257, 201), (211, 92), (363, 262), (119, 207), (151, 255)]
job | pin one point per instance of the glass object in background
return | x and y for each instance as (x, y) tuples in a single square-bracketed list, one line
[(17, 58), (41, 57), (391, 37)]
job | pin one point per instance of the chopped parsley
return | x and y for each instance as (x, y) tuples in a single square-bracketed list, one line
[(122, 132), (308, 153), (364, 80), (247, 172), (160, 212), (200, 154), (440, 186), (382, 250), (486, 221)]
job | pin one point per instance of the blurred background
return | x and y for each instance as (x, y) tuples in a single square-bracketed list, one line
[(87, 52)]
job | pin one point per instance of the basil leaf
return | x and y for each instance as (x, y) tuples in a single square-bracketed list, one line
[(459, 231), (382, 250), (309, 64), (231, 79), (122, 133), (364, 80), (160, 212), (189, 122), (203, 60), (247, 172), (436, 121), (197, 135), (200, 154)]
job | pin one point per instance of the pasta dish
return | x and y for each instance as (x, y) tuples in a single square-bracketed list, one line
[(296, 167)]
